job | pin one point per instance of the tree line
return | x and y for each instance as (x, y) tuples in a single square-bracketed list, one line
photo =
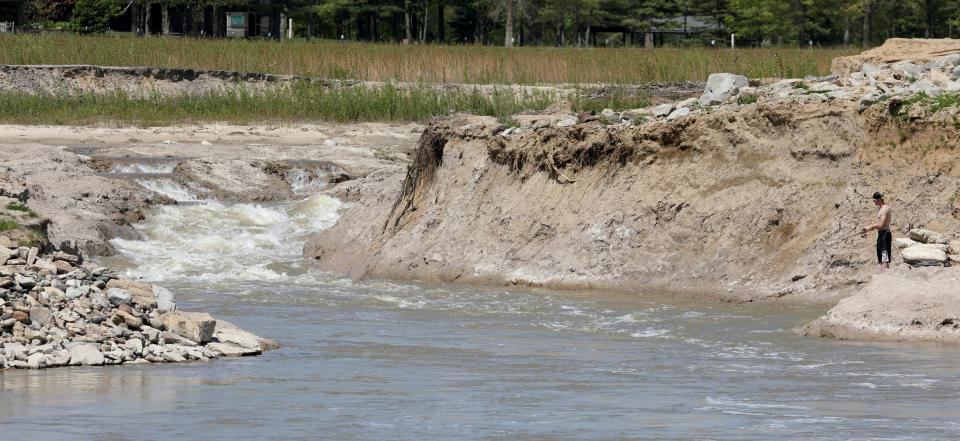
[(562, 22)]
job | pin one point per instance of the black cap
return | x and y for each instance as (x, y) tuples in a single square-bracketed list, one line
[(877, 195)]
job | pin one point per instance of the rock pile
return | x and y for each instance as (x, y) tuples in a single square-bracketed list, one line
[(928, 248), (57, 311)]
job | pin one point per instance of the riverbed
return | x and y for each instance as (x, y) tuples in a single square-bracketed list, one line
[(384, 360)]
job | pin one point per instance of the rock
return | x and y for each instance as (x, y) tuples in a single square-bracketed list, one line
[(662, 110), (117, 296), (679, 113), (134, 344), (40, 316), (923, 255), (131, 321), (194, 326), (871, 69), (13, 350), (37, 361), (568, 121), (925, 86), (75, 293), (954, 247), (230, 350), (243, 342), (24, 281), (6, 253), (85, 354), (21, 317), (31, 256), (903, 242), (57, 358), (100, 301), (62, 266), (6, 242), (142, 293), (720, 87), (610, 114), (690, 103), (166, 302), (927, 236), (66, 257)]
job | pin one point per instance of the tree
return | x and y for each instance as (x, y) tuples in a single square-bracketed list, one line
[(93, 16)]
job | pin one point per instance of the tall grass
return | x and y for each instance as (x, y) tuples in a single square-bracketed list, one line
[(301, 103), (436, 64)]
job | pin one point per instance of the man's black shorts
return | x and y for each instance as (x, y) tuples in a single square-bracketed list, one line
[(884, 243)]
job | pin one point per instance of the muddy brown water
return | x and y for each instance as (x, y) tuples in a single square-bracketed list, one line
[(383, 360)]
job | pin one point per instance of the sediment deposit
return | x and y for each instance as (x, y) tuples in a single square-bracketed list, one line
[(756, 191)]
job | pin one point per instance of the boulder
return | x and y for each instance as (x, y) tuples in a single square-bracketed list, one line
[(923, 255), (127, 318), (37, 360), (6, 242), (85, 354), (567, 121), (903, 242), (66, 257), (662, 110), (679, 113), (925, 86), (927, 236), (76, 293), (166, 302), (232, 341), (722, 86), (142, 293), (954, 246), (40, 316), (118, 296), (194, 326), (7, 254), (62, 266)]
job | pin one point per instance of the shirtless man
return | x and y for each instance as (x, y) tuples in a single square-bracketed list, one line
[(884, 238)]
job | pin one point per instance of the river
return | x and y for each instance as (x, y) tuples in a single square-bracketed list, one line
[(383, 360)]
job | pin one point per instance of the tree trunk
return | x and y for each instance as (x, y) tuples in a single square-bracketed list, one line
[(407, 23), (165, 19), (309, 25), (441, 23), (135, 19), (508, 33), (146, 20), (426, 21), (867, 12)]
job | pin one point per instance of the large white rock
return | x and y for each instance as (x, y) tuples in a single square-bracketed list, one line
[(166, 302), (721, 86), (927, 236), (903, 242), (85, 354), (197, 327), (923, 255), (662, 110), (679, 113), (118, 296)]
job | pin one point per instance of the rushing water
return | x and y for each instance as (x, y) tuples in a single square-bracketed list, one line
[(379, 360)]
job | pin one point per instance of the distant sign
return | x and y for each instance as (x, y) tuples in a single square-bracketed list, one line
[(236, 24)]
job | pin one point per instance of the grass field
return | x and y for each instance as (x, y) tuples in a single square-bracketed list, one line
[(301, 103), (384, 62)]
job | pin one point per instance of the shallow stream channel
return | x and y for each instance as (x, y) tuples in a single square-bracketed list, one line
[(376, 360)]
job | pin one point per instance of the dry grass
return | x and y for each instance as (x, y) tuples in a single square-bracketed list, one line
[(452, 64)]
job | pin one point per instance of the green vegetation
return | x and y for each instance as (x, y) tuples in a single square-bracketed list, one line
[(16, 206), (746, 99), (8, 224), (420, 63), (560, 22), (302, 102)]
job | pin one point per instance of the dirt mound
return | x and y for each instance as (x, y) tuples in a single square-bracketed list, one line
[(897, 49), (921, 304), (746, 204)]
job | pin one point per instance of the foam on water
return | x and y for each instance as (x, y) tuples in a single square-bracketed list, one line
[(168, 188), (307, 181), (214, 242), (165, 167)]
